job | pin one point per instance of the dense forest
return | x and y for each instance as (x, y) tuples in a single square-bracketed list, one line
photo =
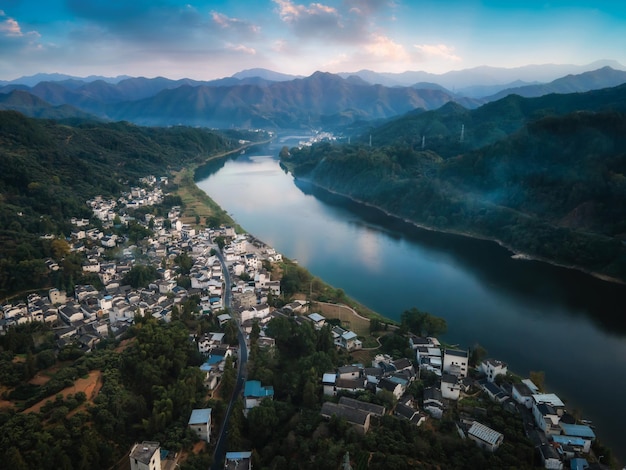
[(148, 391), (553, 188), (49, 169)]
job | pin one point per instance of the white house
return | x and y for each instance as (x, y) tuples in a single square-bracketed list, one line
[(254, 393), (546, 418), (485, 437), (522, 395), (329, 380), (492, 368), (349, 372), (429, 359), (200, 423), (238, 461), (318, 320), (455, 361), (433, 402), (145, 456), (450, 387)]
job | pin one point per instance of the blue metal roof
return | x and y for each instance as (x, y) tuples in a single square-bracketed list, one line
[(572, 440), (238, 455), (578, 430), (200, 416), (579, 464), (253, 388)]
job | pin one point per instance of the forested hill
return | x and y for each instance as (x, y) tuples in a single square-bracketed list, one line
[(440, 130), (49, 170), (555, 189)]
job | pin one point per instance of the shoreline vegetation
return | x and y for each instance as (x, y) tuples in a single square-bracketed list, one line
[(515, 254), (197, 202)]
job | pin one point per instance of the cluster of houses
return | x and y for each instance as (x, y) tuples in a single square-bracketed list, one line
[(91, 315), (560, 440)]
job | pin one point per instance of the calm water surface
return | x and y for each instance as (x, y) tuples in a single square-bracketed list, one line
[(531, 315)]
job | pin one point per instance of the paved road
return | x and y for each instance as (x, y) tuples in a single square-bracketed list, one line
[(220, 448)]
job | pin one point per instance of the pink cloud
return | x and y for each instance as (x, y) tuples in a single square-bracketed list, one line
[(438, 50)]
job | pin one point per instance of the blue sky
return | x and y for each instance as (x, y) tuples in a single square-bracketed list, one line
[(204, 39)]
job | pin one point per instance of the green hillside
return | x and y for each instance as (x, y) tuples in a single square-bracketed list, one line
[(48, 171), (554, 189)]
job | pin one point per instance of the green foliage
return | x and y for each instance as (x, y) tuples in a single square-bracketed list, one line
[(553, 188), (49, 170), (295, 279), (423, 323), (140, 276)]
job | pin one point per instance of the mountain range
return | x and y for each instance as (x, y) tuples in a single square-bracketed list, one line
[(262, 98)]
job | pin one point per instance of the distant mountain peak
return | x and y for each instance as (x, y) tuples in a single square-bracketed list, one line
[(265, 74)]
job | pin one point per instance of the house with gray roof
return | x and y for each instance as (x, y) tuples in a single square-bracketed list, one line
[(359, 419), (485, 437)]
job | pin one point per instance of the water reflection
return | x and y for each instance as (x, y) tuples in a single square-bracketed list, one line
[(539, 285)]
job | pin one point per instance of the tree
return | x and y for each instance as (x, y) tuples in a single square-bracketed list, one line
[(140, 276), (227, 385), (477, 354), (262, 421), (422, 323), (220, 241), (231, 333), (538, 378)]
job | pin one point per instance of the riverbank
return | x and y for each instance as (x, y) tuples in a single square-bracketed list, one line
[(515, 254), (198, 204)]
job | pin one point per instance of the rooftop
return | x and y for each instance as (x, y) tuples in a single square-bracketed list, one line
[(143, 452), (578, 430), (485, 433), (456, 352), (253, 388), (200, 416)]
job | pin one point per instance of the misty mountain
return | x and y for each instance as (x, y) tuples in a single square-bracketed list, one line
[(265, 74), (322, 98), (33, 80), (459, 80), (33, 106), (602, 78), (440, 130)]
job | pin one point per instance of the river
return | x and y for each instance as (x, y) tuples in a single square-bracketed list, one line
[(532, 315)]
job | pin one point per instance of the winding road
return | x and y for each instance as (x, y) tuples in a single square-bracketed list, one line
[(220, 448)]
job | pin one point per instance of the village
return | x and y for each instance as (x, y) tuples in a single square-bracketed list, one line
[(220, 255)]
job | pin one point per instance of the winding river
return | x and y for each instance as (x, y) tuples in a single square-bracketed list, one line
[(532, 315)]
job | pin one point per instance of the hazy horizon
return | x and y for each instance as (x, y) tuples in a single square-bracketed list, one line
[(210, 39)]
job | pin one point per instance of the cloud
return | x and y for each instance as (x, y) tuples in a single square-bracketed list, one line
[(439, 51), (234, 24), (368, 7), (291, 13), (313, 21), (11, 33), (385, 48), (241, 48), (10, 27)]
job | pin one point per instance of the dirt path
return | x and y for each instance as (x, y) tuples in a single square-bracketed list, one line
[(348, 316), (90, 385)]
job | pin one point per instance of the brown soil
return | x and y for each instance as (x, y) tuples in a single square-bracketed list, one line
[(124, 344), (198, 447), (91, 385)]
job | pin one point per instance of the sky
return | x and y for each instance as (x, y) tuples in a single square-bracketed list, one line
[(204, 39)]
